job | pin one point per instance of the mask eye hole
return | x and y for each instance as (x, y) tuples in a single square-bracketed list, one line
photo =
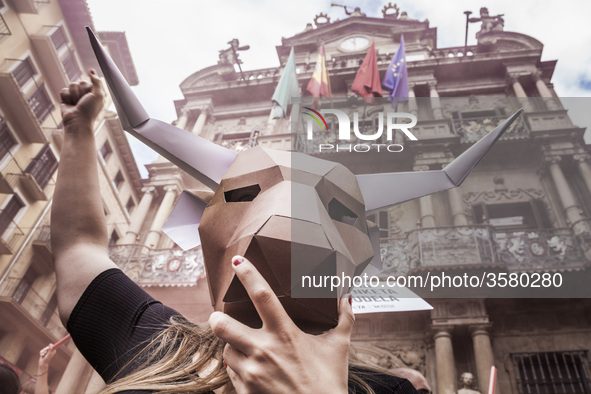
[(242, 194), (341, 213)]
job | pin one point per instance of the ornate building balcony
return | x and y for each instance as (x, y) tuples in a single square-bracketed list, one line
[(472, 129), (159, 267), (147, 267), (484, 246), (239, 144), (422, 249)]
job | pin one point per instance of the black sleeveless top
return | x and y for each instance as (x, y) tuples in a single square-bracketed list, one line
[(114, 319)]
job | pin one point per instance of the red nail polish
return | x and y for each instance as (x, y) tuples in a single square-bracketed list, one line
[(225, 365), (237, 260), (351, 300)]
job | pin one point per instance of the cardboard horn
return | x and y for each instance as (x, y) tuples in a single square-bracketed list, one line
[(205, 161), (382, 190), (182, 226)]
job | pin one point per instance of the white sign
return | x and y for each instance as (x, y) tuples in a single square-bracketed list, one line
[(386, 299)]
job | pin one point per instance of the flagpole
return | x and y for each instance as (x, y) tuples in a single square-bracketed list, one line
[(328, 79)]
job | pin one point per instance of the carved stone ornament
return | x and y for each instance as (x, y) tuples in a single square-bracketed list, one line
[(467, 382), (321, 19), (386, 11), (408, 355)]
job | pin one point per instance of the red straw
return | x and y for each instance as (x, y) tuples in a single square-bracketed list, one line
[(61, 342), (493, 380)]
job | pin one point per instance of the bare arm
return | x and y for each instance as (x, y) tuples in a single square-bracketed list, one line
[(45, 356), (78, 228)]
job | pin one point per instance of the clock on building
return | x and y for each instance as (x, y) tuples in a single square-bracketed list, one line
[(355, 43)]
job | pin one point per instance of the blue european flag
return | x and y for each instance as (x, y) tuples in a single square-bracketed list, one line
[(396, 78)]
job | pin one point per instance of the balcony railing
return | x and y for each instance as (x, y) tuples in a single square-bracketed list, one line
[(538, 249), (4, 29), (11, 238), (445, 246), (454, 51), (240, 144), (457, 246), (148, 267), (452, 246), (473, 129), (42, 167), (35, 305), (159, 267)]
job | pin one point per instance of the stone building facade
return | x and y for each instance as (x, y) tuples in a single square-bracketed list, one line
[(524, 209), (43, 48)]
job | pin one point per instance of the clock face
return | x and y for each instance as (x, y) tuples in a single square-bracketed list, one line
[(354, 44)]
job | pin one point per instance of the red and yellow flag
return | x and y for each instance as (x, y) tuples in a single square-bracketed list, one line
[(367, 82), (319, 85)]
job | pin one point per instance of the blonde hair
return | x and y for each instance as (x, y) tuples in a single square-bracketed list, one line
[(187, 358), (170, 365)]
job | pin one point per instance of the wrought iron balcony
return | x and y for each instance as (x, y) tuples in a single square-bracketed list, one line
[(22, 298), (42, 167), (12, 236), (4, 29)]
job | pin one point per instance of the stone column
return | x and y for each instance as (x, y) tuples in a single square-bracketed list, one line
[(427, 216), (426, 204), (75, 376), (457, 207), (567, 198), (95, 384), (574, 214), (516, 85), (444, 358), (200, 123), (161, 216), (435, 103), (483, 355), (139, 215), (544, 91), (181, 122), (585, 168), (513, 80), (271, 123), (412, 101)]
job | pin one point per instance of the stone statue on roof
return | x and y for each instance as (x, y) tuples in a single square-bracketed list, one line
[(489, 22)]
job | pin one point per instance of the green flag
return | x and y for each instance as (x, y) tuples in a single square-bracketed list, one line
[(286, 89)]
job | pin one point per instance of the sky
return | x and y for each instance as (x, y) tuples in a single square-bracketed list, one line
[(171, 40)]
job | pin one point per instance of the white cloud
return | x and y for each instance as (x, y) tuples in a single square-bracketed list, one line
[(171, 40)]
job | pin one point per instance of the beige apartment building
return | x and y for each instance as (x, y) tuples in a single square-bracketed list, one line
[(43, 48)]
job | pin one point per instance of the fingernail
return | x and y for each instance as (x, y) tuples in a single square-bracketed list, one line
[(225, 365), (237, 260), (351, 300), (92, 71)]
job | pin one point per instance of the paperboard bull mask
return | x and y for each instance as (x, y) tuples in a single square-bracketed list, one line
[(286, 212)]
